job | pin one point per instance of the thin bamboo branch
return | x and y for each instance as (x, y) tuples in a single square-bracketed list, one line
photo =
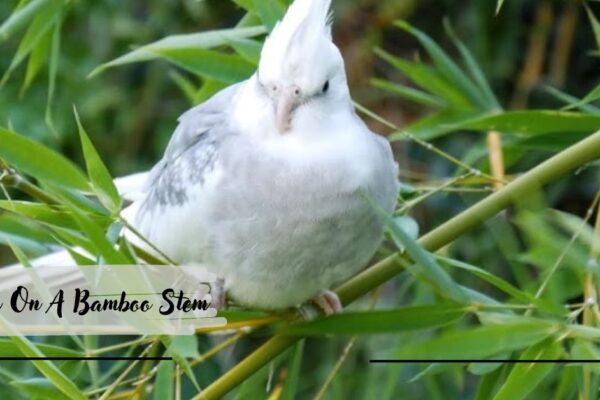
[(536, 53), (564, 44), (568, 160)]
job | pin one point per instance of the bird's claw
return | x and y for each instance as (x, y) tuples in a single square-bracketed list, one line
[(218, 294)]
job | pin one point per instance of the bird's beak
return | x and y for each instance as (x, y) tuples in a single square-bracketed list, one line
[(286, 103)]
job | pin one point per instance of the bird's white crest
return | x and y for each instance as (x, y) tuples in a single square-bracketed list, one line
[(301, 38)]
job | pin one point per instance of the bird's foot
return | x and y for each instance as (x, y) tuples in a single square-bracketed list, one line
[(328, 301), (218, 294)]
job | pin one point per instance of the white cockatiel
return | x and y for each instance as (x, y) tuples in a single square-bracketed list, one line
[(265, 183)]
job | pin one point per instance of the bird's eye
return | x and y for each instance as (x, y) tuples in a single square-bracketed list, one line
[(325, 87)]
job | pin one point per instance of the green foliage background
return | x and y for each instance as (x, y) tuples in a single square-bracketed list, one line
[(437, 77)]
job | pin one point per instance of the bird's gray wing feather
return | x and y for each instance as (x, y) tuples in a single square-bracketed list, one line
[(192, 151)]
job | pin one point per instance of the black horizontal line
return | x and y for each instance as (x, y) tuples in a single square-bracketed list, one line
[(468, 361), (85, 358)]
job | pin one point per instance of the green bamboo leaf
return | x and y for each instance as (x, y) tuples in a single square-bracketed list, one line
[(247, 5), (163, 385), (426, 268), (52, 215), (102, 246), (77, 199), (203, 40), (187, 87), (499, 4), (269, 11), (20, 255), (248, 49), (474, 68), (20, 18), (39, 161), (428, 79), (52, 74), (9, 349), (373, 322), (46, 367), (38, 388), (592, 96), (586, 350), (30, 237), (444, 63), (181, 348), (483, 342), (208, 89), (290, 389), (41, 25), (37, 59), (506, 287), (535, 122), (487, 384), (436, 125), (524, 378), (409, 93), (101, 180), (595, 24), (571, 101), (228, 68)]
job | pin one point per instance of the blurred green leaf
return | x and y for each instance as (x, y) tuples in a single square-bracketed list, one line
[(37, 160), (98, 240), (429, 79), (444, 63), (181, 348), (179, 43), (8, 348), (499, 4), (37, 59), (248, 49), (372, 322), (52, 74), (101, 180), (269, 11), (571, 101), (474, 68), (535, 122), (163, 385), (28, 236), (524, 378), (409, 93), (592, 96), (38, 388), (290, 390), (41, 25), (595, 24), (483, 342), (47, 368), (408, 225), (506, 287), (436, 125), (20, 18), (228, 68), (586, 350), (53, 215)]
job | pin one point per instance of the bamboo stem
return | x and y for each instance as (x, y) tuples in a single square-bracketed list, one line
[(569, 159), (494, 144)]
